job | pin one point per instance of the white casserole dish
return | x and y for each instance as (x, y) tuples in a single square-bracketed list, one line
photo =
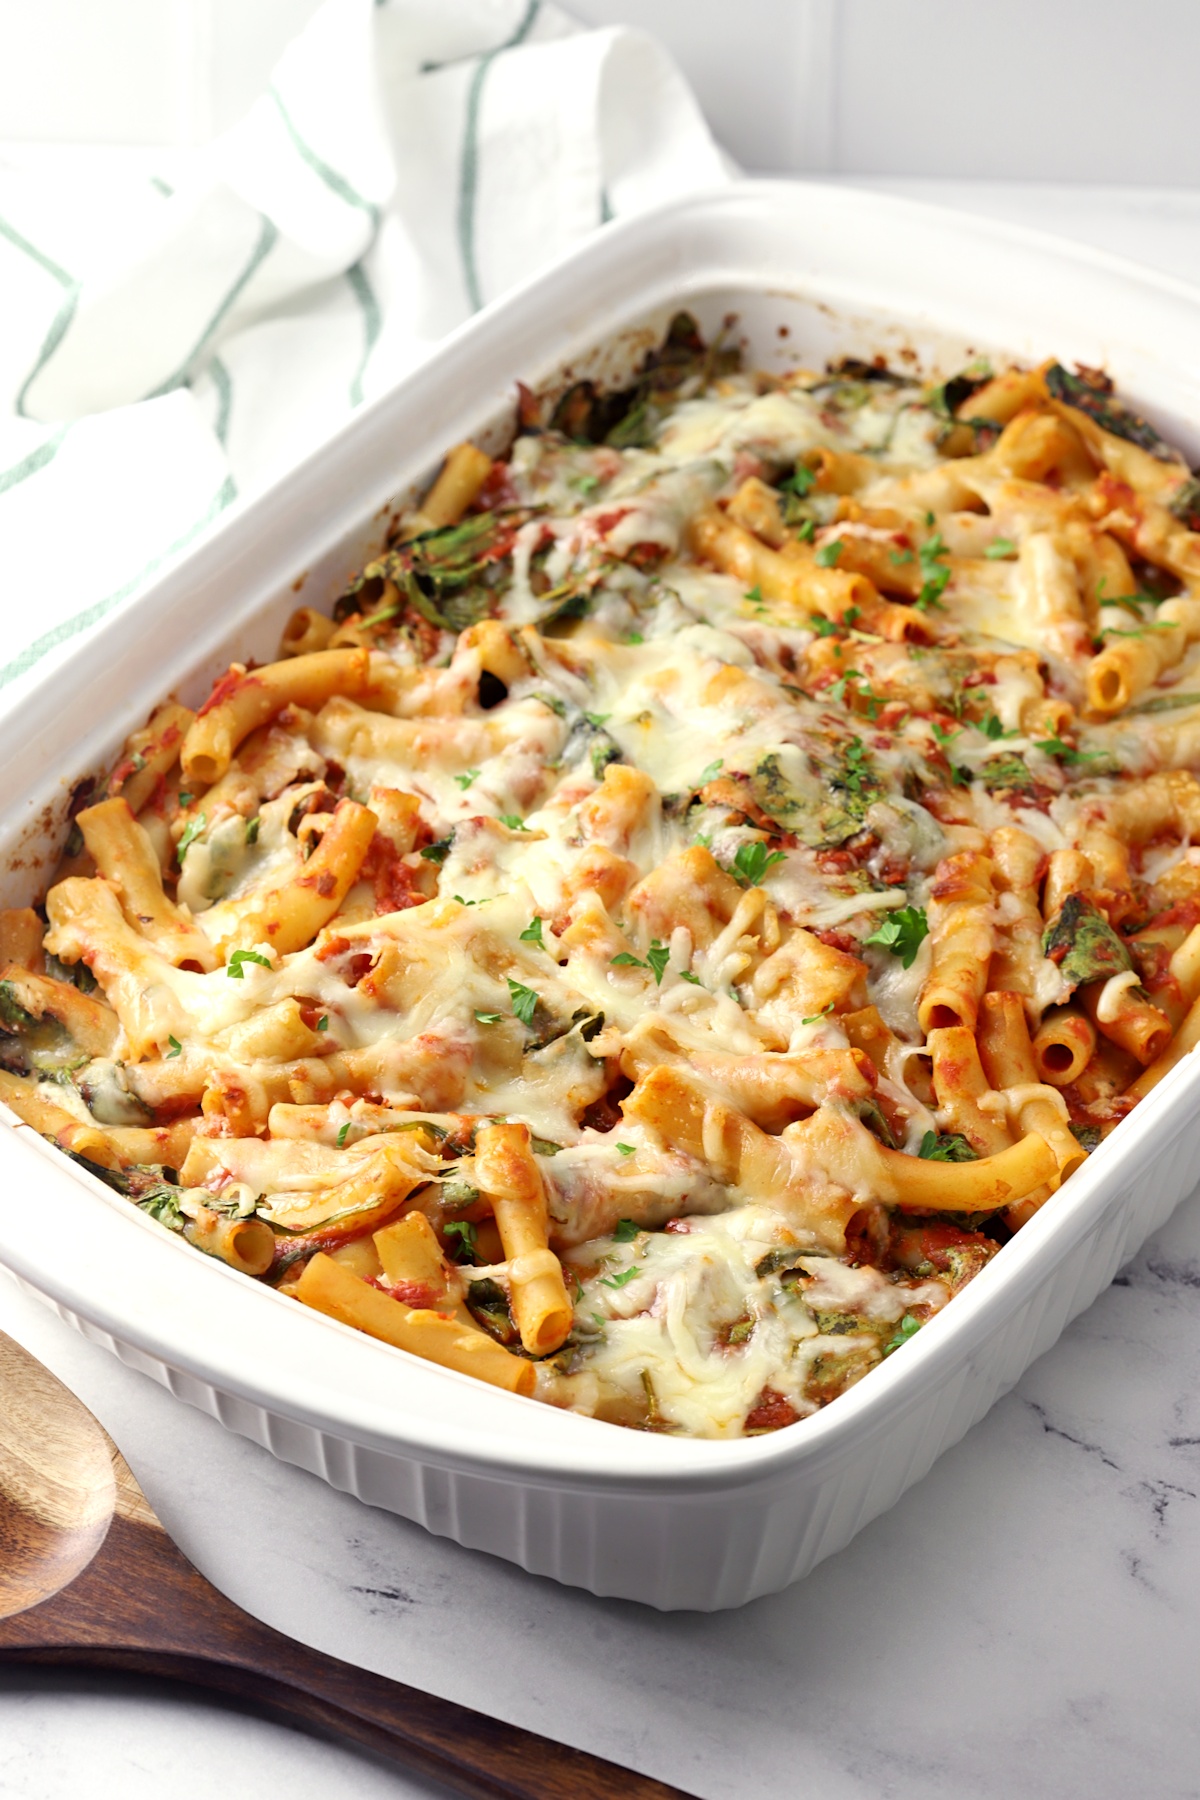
[(810, 272)]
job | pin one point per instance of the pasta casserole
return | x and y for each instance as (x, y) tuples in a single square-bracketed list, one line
[(709, 882)]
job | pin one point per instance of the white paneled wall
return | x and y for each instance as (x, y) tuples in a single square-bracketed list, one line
[(1068, 90)]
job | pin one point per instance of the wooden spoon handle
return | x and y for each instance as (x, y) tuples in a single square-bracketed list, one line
[(142, 1607)]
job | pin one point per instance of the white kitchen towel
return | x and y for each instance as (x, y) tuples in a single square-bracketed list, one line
[(167, 346)]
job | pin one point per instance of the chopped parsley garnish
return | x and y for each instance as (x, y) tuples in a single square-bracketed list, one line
[(950, 1146), (532, 933), (621, 1280), (806, 530), (627, 1149), (624, 1231), (238, 957), (464, 781), (828, 554), (752, 861), (524, 1000), (823, 1014), (487, 1018), (437, 853), (252, 830), (907, 1328), (755, 596), (1066, 752), (899, 557), (902, 932), (635, 637), (944, 737), (188, 836), (656, 960), (597, 719), (824, 627), (514, 821), (686, 975), (584, 484), (992, 728), (935, 574), (711, 772), (999, 547), (343, 1134), (800, 482), (323, 1022), (176, 1048)]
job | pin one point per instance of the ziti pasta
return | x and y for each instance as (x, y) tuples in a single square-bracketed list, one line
[(711, 880)]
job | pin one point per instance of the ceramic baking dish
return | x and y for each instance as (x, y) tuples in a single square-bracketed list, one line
[(809, 272)]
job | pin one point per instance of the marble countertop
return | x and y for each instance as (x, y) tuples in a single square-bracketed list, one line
[(1026, 1622)]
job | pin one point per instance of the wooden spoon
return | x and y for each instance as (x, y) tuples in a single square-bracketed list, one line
[(90, 1579)]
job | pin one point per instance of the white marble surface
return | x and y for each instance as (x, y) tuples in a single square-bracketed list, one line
[(1026, 1623)]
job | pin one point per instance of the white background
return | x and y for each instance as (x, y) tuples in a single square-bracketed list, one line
[(1052, 90)]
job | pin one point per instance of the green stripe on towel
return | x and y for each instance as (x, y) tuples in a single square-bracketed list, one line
[(62, 318), (91, 615), (469, 171), (29, 465), (336, 183), (267, 238)]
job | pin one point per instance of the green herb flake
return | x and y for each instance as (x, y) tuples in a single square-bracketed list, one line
[(800, 482), (752, 862), (532, 933), (188, 836), (711, 772), (1000, 547), (828, 554), (657, 958), (437, 853), (627, 1149), (175, 1050), (806, 530), (596, 720), (824, 1013), (1066, 752), (464, 781), (252, 826), (343, 1134), (624, 1231), (621, 1280), (514, 821), (239, 957), (902, 932), (524, 1000), (907, 1328), (488, 1018)]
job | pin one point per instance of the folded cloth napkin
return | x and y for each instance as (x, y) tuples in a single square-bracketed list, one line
[(169, 346)]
